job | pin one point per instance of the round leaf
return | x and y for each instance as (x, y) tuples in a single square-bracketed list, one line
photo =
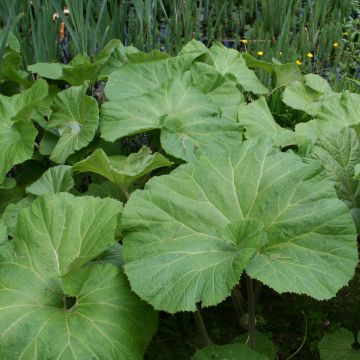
[(90, 311), (175, 250), (338, 346), (76, 117), (148, 111)]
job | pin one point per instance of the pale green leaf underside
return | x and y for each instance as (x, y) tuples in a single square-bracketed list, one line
[(173, 234), (75, 116), (107, 320), (337, 346), (122, 170), (228, 352), (54, 180)]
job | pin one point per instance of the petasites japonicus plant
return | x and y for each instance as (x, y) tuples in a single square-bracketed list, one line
[(57, 304), (257, 209)]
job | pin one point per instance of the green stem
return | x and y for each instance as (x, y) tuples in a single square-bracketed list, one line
[(201, 328), (126, 193), (251, 310)]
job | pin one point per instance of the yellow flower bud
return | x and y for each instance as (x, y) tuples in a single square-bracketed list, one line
[(244, 41), (335, 44), (298, 62), (310, 55), (260, 53)]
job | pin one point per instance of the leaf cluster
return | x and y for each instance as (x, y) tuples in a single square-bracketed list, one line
[(234, 177)]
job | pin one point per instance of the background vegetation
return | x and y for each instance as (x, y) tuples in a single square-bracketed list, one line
[(322, 36)]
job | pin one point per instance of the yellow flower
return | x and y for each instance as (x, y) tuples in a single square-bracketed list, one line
[(281, 52), (298, 62), (335, 44), (260, 53), (244, 41), (310, 55)]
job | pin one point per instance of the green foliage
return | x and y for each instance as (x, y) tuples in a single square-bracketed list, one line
[(45, 288), (74, 118), (230, 351), (17, 133), (218, 174), (121, 170), (338, 346), (340, 155), (54, 180), (81, 69), (216, 194)]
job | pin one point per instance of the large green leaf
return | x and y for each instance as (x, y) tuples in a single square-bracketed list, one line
[(175, 250), (54, 180), (17, 133), (17, 141), (75, 116), (122, 170), (175, 269), (194, 46), (10, 196), (3, 233), (148, 111), (338, 112), (229, 61), (337, 346), (259, 122), (91, 311), (228, 352), (188, 138), (285, 74), (10, 69), (264, 345), (308, 95), (12, 211), (139, 78), (339, 153), (205, 77), (106, 189), (141, 57), (229, 98)]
